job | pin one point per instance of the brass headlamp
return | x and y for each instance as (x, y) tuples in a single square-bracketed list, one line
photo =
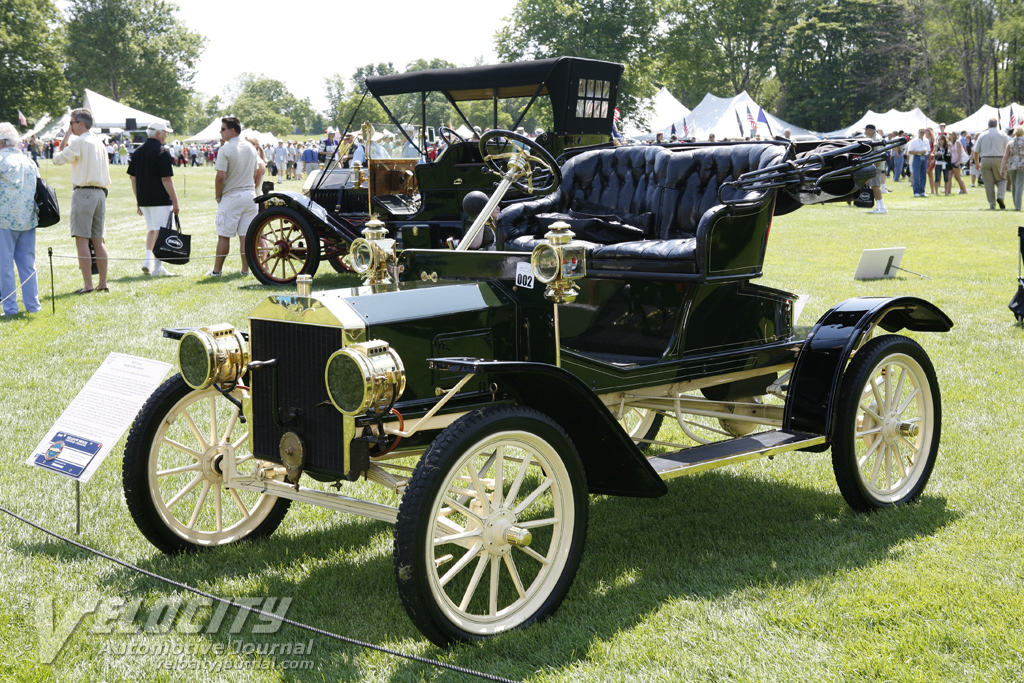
[(559, 262), (373, 254), (365, 376), (217, 354)]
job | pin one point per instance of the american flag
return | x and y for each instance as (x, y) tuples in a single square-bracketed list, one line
[(1013, 118), (686, 129), (751, 121), (21, 119), (616, 114)]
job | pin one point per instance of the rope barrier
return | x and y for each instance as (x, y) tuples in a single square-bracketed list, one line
[(253, 610)]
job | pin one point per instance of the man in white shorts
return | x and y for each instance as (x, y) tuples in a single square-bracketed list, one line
[(235, 190), (153, 185)]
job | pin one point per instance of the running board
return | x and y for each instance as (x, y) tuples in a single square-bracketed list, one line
[(721, 453)]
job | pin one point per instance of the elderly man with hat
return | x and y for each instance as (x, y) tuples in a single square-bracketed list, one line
[(153, 184), (328, 145)]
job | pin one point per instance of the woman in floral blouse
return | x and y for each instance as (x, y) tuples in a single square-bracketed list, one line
[(1013, 166), (18, 219)]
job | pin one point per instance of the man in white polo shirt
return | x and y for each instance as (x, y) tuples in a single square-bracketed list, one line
[(235, 190), (90, 177)]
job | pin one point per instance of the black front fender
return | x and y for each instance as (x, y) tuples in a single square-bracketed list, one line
[(612, 462), (817, 375), (320, 219)]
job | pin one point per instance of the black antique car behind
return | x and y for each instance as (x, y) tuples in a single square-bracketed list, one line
[(419, 200)]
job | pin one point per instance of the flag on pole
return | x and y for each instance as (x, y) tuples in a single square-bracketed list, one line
[(751, 122), (1013, 118), (21, 119), (616, 114), (673, 129), (739, 121), (686, 129), (764, 119)]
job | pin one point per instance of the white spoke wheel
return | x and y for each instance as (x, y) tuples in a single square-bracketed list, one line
[(173, 472), (491, 529), (280, 245), (641, 424), (888, 424)]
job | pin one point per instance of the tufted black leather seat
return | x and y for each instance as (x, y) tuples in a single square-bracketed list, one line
[(692, 236)]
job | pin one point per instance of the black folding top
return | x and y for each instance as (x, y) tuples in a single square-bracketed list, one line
[(582, 91), (518, 79)]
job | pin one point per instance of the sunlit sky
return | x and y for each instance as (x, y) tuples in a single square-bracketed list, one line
[(301, 42)]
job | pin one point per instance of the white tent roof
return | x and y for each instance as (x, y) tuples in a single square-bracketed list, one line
[(106, 113), (209, 134), (889, 122), (40, 124), (263, 138), (726, 117), (665, 109), (55, 128), (978, 121)]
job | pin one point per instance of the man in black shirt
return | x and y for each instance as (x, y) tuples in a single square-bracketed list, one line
[(152, 183)]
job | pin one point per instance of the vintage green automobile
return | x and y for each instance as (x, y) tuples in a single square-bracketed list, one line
[(489, 392)]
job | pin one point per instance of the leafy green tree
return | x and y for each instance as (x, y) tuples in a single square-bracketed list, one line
[(624, 31), (720, 46), (133, 51), (267, 105), (843, 58), (31, 70)]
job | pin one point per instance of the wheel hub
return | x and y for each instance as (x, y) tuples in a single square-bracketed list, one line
[(501, 533), (211, 462)]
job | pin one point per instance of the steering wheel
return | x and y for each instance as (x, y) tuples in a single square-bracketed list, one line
[(537, 172), (449, 136)]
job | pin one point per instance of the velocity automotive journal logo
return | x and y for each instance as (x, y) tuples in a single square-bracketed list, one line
[(170, 615)]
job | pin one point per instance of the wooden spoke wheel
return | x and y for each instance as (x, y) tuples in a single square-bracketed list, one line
[(280, 245)]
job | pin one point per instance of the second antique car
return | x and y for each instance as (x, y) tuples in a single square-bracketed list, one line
[(419, 199), (488, 393)]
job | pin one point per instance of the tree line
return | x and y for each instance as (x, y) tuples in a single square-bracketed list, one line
[(817, 63)]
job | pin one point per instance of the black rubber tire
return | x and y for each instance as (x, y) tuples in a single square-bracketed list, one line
[(854, 482), (138, 454), (433, 474), (298, 253)]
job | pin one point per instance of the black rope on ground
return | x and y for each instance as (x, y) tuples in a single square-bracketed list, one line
[(269, 615)]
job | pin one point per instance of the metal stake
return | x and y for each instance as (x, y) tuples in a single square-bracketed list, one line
[(53, 295), (78, 507)]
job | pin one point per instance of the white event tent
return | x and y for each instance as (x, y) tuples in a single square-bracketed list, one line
[(55, 128), (978, 121), (106, 113), (726, 117), (209, 134), (890, 122), (664, 110), (39, 125)]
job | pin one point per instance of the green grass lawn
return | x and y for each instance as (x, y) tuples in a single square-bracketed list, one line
[(756, 572)]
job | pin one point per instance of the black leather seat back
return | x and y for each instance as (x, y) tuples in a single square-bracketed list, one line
[(690, 178), (622, 178)]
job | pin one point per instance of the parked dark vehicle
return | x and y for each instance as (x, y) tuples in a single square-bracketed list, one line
[(419, 200), (489, 392)]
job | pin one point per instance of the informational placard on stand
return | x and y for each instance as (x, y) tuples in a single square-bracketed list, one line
[(97, 418)]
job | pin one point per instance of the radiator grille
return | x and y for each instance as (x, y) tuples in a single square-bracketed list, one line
[(301, 352)]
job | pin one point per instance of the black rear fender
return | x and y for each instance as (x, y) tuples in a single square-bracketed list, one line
[(817, 374), (613, 464)]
